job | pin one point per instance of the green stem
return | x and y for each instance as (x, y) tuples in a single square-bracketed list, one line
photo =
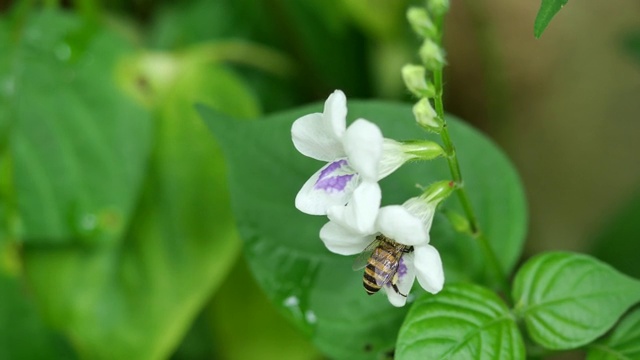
[(454, 167)]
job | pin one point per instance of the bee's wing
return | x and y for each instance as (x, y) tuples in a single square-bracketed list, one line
[(390, 265), (363, 258)]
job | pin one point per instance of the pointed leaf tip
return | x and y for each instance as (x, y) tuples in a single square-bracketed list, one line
[(548, 9)]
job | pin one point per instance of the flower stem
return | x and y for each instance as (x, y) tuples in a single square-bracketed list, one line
[(452, 159)]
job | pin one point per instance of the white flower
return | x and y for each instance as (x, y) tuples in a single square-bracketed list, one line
[(357, 156), (351, 229)]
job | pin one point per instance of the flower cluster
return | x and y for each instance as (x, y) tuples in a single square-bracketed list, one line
[(346, 190)]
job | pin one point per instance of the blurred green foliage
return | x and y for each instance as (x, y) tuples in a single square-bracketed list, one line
[(116, 229)]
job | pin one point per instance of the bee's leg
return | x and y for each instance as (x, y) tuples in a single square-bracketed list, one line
[(394, 280), (395, 287), (407, 249)]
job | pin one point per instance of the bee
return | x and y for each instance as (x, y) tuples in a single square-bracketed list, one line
[(380, 261)]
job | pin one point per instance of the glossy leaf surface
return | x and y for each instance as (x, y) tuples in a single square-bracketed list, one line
[(464, 321), (622, 344), (568, 300)]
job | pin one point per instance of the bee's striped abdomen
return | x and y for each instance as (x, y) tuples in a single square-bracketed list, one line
[(379, 269), (369, 280)]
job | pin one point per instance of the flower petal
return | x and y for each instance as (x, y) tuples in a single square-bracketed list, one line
[(397, 223), (393, 156), (361, 211), (332, 185), (335, 111), (343, 241), (406, 276), (363, 145), (429, 268), (318, 135), (422, 209)]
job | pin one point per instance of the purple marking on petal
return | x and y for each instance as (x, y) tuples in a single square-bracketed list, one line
[(327, 182), (402, 271), (402, 268)]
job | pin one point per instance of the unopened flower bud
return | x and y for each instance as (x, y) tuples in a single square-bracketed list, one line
[(426, 116), (424, 206), (423, 150), (432, 55), (438, 7), (438, 191), (459, 222), (421, 22), (414, 77)]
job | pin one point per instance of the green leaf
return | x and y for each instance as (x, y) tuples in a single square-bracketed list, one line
[(622, 344), (241, 307), (548, 9), (567, 300), (616, 243), (136, 300), (463, 321), (79, 146), (23, 334), (135, 296), (316, 288)]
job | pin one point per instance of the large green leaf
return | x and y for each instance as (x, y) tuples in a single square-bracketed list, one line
[(317, 289), (79, 146), (548, 9), (23, 334), (463, 321), (622, 344), (135, 296), (567, 300), (241, 307)]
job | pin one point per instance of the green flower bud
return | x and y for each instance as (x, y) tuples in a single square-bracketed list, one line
[(426, 116), (414, 77), (438, 191), (422, 150), (432, 55), (459, 222), (438, 7), (421, 22)]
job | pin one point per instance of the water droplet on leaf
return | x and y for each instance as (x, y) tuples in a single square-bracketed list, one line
[(88, 222), (310, 316), (63, 52)]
